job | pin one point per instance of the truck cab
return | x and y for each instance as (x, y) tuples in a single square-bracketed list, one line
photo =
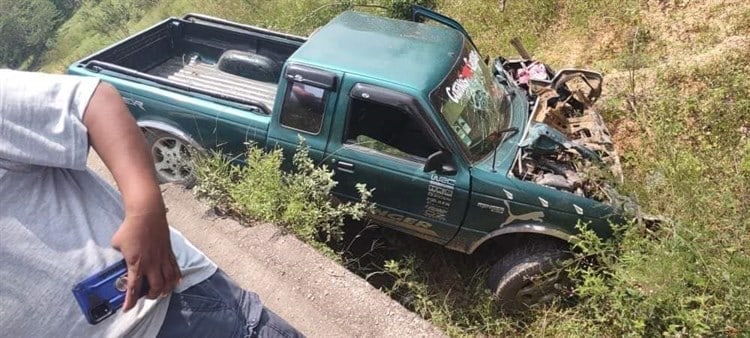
[(379, 126)]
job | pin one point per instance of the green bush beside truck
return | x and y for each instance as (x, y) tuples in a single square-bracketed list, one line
[(497, 157)]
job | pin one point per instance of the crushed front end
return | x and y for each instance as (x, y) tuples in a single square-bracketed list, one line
[(566, 144)]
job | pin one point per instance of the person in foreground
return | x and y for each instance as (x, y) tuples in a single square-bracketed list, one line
[(60, 223)]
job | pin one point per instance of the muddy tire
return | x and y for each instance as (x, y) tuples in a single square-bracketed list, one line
[(526, 276), (171, 157)]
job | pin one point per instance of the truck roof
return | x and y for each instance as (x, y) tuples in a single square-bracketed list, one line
[(404, 52)]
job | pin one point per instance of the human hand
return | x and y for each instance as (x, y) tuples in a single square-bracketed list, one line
[(144, 242)]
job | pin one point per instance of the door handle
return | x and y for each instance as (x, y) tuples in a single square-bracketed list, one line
[(345, 167)]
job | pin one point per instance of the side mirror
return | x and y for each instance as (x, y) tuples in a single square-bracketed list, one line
[(440, 162)]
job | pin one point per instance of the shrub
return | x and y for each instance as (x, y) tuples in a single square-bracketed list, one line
[(299, 200), (307, 207)]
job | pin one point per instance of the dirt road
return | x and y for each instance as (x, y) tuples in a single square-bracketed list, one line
[(313, 293)]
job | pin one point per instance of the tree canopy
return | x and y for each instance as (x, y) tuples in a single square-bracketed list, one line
[(27, 27)]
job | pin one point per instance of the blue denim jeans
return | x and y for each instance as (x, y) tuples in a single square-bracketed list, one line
[(217, 307)]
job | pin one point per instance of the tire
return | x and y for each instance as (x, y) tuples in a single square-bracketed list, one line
[(526, 276), (171, 156)]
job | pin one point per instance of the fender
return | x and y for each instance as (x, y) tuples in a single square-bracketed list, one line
[(532, 228), (165, 127)]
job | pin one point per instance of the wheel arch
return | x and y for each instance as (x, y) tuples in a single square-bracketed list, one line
[(525, 231), (168, 128)]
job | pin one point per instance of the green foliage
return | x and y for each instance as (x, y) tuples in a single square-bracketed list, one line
[(95, 24), (307, 207), (666, 283), (299, 200), (26, 28), (317, 13), (66, 7), (459, 303), (259, 192), (690, 276), (215, 176), (562, 33), (108, 17)]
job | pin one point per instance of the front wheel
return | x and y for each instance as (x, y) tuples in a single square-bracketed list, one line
[(528, 275), (171, 157)]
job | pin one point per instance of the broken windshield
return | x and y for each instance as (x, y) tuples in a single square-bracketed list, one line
[(473, 104)]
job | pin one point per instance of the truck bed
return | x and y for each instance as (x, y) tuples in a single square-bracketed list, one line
[(205, 76), (182, 53)]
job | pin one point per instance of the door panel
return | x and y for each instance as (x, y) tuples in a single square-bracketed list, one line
[(388, 155), (423, 204)]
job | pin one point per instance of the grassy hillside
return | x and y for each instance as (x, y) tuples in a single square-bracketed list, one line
[(677, 95)]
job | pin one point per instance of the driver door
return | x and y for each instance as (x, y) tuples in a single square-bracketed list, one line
[(384, 144)]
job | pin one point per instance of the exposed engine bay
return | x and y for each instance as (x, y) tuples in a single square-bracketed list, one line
[(566, 145)]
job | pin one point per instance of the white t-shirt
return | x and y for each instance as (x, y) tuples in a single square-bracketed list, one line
[(57, 218)]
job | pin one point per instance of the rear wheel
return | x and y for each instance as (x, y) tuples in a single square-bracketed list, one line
[(528, 275), (171, 156)]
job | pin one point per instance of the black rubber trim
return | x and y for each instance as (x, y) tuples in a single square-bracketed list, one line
[(311, 76)]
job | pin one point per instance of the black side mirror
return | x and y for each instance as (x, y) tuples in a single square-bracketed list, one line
[(440, 162)]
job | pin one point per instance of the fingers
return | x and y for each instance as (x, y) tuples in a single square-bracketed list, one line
[(171, 273), (163, 277), (145, 239), (176, 269), (133, 285), (155, 283)]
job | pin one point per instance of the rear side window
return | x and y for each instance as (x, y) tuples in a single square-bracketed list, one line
[(303, 108)]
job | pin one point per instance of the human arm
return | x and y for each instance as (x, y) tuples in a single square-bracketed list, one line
[(50, 121), (143, 237)]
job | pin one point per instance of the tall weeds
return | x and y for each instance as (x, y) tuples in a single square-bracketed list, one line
[(299, 200)]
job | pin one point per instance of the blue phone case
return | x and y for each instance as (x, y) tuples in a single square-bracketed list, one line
[(100, 295)]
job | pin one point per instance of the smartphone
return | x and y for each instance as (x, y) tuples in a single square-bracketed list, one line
[(102, 294)]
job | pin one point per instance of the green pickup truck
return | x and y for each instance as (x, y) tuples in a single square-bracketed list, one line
[(499, 157)]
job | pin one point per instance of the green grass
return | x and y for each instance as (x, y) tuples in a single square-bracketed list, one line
[(680, 130)]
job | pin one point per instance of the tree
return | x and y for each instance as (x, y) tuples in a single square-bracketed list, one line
[(26, 27), (67, 7), (111, 17)]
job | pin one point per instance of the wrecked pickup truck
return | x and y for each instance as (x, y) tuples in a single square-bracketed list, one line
[(499, 158)]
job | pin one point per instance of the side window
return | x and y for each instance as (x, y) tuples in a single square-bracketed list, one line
[(303, 108), (388, 130)]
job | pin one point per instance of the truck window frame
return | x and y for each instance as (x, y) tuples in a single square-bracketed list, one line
[(297, 74), (323, 106), (397, 101)]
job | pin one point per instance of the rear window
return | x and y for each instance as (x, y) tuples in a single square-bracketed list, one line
[(303, 108)]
